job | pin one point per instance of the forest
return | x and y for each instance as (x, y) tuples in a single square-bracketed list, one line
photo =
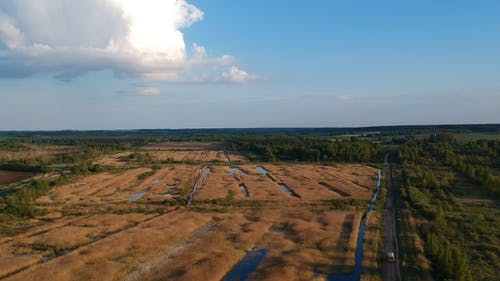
[(452, 189)]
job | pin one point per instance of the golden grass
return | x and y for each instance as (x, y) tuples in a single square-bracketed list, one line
[(372, 248), (302, 179), (36, 152), (304, 242)]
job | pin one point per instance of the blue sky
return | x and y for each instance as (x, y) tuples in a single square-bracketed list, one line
[(247, 63)]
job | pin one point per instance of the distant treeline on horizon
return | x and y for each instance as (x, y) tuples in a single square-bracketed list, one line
[(391, 130)]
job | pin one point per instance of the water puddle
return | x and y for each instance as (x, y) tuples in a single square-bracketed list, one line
[(244, 190), (156, 181), (246, 266), (262, 170), (195, 187), (136, 196), (228, 160), (356, 274), (233, 171), (288, 190), (207, 172)]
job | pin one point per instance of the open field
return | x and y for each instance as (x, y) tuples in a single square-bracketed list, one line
[(307, 182), (301, 244), (36, 152), (191, 151), (134, 224)]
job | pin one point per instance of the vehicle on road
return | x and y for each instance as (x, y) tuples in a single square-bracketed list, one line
[(390, 257)]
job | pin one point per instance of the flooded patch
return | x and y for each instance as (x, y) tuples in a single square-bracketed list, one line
[(207, 172), (136, 196), (233, 171), (288, 190), (244, 190), (262, 170), (156, 181), (195, 187), (246, 266), (358, 259)]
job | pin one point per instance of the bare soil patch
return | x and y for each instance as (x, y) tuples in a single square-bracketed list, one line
[(8, 177)]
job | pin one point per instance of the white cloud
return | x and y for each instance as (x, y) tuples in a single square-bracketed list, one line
[(236, 75), (9, 33), (130, 37), (199, 51)]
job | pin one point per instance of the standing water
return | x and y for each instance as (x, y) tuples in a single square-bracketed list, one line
[(233, 171), (195, 187), (356, 275), (136, 196), (246, 266), (262, 170), (288, 190), (207, 172), (244, 190)]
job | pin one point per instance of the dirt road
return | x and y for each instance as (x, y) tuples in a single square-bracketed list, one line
[(390, 270)]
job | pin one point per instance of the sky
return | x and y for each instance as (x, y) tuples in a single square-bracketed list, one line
[(128, 64)]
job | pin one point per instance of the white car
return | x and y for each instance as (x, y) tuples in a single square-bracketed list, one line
[(391, 257)]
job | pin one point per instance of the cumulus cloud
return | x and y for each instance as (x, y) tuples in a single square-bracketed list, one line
[(236, 75), (132, 38), (199, 51)]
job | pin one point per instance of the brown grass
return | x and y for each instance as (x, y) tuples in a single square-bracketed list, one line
[(372, 244), (305, 180), (36, 152), (109, 238), (300, 244)]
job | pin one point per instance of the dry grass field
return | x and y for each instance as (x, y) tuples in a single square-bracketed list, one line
[(192, 151), (36, 152), (134, 224)]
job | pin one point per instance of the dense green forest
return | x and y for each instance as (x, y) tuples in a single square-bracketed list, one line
[(437, 179), (305, 149)]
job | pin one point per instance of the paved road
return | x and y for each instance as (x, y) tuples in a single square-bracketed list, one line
[(390, 270)]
